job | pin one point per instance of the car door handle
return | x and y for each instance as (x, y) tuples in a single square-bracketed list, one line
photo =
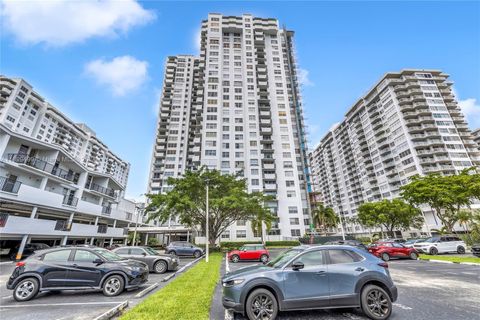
[(320, 273), (359, 269)]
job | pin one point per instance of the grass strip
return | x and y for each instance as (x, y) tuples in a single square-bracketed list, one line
[(450, 258), (187, 297)]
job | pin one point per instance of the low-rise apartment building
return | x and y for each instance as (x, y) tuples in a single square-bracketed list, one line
[(59, 184)]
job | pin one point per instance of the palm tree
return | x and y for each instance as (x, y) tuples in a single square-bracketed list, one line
[(258, 223), (464, 217), (324, 218)]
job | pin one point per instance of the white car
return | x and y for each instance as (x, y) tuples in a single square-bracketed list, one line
[(441, 244)]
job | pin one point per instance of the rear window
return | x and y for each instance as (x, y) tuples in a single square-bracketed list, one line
[(61, 255), (343, 256), (122, 251)]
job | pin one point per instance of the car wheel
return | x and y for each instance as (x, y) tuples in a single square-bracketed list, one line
[(460, 250), (113, 286), (235, 258), (376, 303), (197, 254), (433, 251), (160, 266), (264, 258), (385, 256), (172, 252), (413, 255), (261, 304), (26, 289)]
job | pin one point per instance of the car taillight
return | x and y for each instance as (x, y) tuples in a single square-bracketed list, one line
[(20, 264), (383, 264)]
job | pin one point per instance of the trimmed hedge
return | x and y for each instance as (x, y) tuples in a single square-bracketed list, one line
[(323, 239), (233, 244)]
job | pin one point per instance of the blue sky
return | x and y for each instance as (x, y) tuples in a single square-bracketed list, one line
[(102, 62)]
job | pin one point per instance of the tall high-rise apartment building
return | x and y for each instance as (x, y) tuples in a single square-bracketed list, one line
[(237, 108), (409, 123), (59, 183), (476, 137)]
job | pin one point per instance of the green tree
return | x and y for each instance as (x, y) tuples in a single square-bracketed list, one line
[(324, 217), (228, 202), (389, 215), (446, 195)]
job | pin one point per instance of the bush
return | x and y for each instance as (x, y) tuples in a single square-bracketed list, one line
[(323, 239), (364, 240)]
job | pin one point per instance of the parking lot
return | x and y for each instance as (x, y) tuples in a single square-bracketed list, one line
[(427, 291), (76, 305)]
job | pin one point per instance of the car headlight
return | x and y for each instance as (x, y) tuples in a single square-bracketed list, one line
[(233, 282), (136, 269)]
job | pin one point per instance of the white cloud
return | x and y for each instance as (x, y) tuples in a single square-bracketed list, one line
[(122, 74), (197, 38), (59, 23), (303, 79), (471, 109)]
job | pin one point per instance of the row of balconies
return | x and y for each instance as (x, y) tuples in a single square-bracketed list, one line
[(43, 227)]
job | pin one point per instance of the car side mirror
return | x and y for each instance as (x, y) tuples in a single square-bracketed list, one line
[(191, 247), (98, 261), (144, 254), (297, 265)]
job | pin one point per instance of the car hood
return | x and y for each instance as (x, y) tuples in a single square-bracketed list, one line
[(255, 269)]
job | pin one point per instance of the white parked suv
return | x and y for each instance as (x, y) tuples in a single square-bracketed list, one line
[(441, 244)]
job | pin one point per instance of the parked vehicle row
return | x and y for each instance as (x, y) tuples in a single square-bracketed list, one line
[(442, 244), (75, 268)]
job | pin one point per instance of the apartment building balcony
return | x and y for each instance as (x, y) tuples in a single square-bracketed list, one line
[(39, 164), (268, 166), (17, 225), (98, 188), (10, 186), (70, 201)]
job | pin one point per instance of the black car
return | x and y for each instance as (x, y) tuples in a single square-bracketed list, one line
[(476, 250), (75, 268), (29, 249), (353, 243)]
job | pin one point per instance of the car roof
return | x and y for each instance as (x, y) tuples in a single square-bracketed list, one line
[(308, 247), (252, 245)]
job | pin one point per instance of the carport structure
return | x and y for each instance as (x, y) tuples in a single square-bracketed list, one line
[(165, 234)]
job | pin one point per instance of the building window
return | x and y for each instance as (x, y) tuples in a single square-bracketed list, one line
[(292, 210), (243, 233), (295, 232)]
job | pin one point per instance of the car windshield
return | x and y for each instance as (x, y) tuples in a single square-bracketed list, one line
[(283, 258), (151, 251), (108, 255)]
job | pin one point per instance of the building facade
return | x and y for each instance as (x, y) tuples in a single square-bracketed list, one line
[(236, 108), (59, 184), (476, 137), (409, 123)]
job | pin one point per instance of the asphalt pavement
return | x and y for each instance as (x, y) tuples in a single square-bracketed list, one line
[(71, 305), (427, 291)]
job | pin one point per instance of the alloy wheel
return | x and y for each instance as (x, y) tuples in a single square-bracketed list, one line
[(235, 258), (113, 285), (160, 267), (262, 307), (264, 258), (377, 303), (25, 290)]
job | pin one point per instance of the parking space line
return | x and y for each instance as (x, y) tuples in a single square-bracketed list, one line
[(227, 264), (6, 262), (229, 315), (401, 306), (60, 304)]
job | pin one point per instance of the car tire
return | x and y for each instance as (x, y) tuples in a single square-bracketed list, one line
[(235, 258), (26, 289), (160, 266), (261, 304), (375, 302), (433, 251), (264, 258), (197, 254), (460, 250), (172, 252), (413, 255), (385, 256), (113, 285)]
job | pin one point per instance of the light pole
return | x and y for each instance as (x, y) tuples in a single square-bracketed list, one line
[(206, 228), (341, 224), (139, 209)]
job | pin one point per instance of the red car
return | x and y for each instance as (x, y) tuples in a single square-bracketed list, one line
[(387, 250), (249, 252)]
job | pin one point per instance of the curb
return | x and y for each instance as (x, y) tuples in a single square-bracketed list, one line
[(113, 312), (451, 262), (146, 290), (181, 269)]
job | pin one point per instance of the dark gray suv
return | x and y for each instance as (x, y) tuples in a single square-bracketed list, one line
[(312, 277), (183, 248)]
